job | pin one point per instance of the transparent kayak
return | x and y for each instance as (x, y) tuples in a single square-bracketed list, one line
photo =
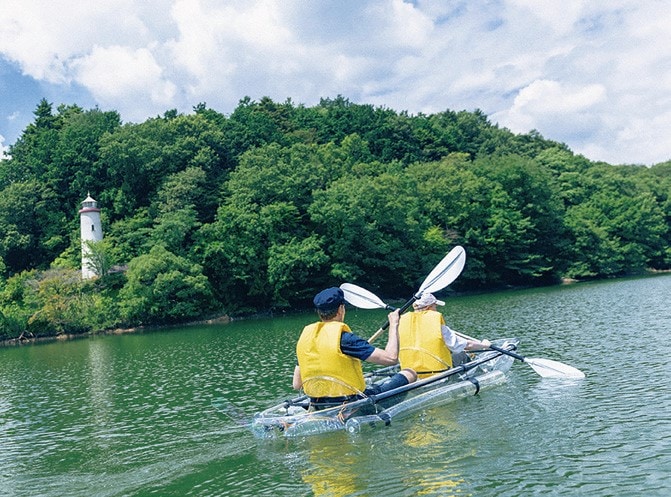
[(295, 418)]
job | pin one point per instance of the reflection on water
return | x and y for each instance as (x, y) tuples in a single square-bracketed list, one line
[(434, 440), (133, 415), (412, 459), (332, 467)]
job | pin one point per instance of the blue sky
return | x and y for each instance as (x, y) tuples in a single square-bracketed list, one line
[(595, 75)]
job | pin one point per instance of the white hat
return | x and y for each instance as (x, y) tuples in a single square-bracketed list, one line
[(426, 300)]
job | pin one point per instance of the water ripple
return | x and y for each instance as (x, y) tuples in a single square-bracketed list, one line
[(136, 415)]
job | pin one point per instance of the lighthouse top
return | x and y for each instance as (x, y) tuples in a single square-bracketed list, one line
[(89, 205)]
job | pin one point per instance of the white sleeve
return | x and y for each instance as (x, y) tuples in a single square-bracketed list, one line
[(454, 342)]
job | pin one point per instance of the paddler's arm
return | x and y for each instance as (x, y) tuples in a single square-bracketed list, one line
[(457, 342), (389, 355), (297, 382), (478, 345)]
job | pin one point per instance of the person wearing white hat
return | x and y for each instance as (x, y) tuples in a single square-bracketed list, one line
[(426, 344)]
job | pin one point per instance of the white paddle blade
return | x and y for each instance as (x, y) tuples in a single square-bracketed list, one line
[(547, 368), (361, 298), (445, 272)]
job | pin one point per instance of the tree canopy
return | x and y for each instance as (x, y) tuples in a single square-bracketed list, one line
[(259, 209)]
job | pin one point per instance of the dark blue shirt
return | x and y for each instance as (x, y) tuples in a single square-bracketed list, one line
[(355, 346)]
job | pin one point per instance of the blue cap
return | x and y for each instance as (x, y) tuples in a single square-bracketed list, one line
[(329, 299)]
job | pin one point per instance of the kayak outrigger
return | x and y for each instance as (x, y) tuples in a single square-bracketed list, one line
[(295, 417)]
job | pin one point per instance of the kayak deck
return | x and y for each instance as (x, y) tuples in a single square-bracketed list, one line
[(295, 417)]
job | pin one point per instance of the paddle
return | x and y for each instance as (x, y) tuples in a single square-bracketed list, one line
[(362, 298), (447, 270), (546, 368)]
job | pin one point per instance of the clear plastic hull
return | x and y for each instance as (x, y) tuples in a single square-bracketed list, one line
[(294, 418)]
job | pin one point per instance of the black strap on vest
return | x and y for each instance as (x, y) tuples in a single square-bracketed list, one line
[(432, 372)]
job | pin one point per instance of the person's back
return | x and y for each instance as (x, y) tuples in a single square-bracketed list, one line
[(421, 344), (329, 356), (427, 345), (325, 370)]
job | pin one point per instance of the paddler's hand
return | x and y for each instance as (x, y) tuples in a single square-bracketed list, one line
[(486, 343), (394, 317)]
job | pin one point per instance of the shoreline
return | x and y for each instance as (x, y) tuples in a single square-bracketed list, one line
[(19, 341), (225, 318)]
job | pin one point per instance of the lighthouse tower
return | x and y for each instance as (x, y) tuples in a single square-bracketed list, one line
[(91, 231)]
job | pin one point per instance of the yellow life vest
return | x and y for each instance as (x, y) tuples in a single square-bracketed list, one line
[(421, 344), (325, 370)]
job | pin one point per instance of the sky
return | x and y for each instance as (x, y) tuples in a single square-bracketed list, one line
[(595, 75)]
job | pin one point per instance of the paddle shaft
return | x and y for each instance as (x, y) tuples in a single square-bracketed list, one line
[(498, 349), (444, 273), (403, 308), (494, 347), (508, 352)]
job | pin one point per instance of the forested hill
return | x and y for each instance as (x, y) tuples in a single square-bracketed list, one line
[(259, 209)]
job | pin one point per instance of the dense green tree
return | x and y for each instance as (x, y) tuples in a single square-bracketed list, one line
[(458, 207), (272, 174), (139, 157), (175, 210), (390, 135), (293, 263), (102, 255), (32, 153), (75, 169), (130, 235), (232, 252), (615, 235), (52, 303), (266, 199), (31, 226), (255, 124), (533, 196), (16, 306), (366, 221), (163, 288)]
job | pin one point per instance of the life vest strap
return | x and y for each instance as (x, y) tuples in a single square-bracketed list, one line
[(433, 372), (428, 354), (331, 379)]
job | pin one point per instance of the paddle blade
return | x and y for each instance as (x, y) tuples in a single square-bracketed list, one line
[(547, 368), (360, 297), (446, 271)]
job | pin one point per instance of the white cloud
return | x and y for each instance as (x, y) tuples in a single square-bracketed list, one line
[(398, 24), (119, 74), (219, 45), (545, 100), (44, 36), (558, 16)]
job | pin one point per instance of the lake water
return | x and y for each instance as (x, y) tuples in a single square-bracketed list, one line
[(132, 415)]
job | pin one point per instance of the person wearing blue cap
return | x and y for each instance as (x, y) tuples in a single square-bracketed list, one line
[(329, 356)]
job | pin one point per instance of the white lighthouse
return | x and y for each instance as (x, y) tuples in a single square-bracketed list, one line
[(91, 231)]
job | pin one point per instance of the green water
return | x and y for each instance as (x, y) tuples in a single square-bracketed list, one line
[(132, 415)]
